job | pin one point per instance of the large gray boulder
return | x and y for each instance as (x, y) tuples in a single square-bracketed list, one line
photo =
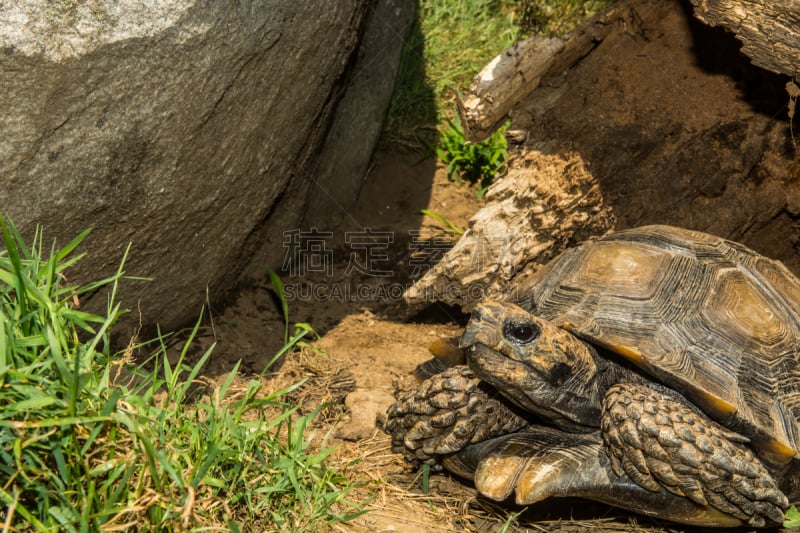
[(191, 128)]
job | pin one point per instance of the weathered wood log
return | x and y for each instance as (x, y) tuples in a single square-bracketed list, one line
[(543, 205), (769, 30), (515, 73), (503, 83)]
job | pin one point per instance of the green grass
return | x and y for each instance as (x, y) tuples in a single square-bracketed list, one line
[(89, 440), (555, 17), (792, 518), (460, 38), (450, 42), (477, 163), (452, 229)]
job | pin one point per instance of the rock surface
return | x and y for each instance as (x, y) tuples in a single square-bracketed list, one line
[(364, 406), (189, 128)]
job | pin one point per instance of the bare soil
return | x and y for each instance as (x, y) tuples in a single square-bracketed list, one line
[(678, 127)]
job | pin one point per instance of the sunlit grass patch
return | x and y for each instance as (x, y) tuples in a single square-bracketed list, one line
[(92, 441)]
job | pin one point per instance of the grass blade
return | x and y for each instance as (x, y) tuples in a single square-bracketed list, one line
[(277, 286)]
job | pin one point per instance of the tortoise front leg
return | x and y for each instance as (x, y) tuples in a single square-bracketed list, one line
[(655, 437), (541, 462), (447, 412)]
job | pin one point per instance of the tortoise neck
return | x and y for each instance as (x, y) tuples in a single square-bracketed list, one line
[(612, 369)]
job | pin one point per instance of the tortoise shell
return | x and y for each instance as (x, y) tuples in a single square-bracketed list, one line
[(705, 316)]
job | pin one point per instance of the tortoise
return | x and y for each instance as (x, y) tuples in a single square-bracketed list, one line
[(656, 369)]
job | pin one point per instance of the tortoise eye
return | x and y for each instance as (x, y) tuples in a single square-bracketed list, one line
[(520, 332)]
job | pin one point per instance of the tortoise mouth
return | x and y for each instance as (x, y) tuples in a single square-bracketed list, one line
[(528, 388), (495, 367), (515, 380)]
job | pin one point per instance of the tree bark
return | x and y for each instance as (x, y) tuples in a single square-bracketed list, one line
[(769, 30)]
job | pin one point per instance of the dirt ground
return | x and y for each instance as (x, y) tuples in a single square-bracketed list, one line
[(678, 127)]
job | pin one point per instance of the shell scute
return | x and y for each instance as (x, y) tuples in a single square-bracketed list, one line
[(705, 316)]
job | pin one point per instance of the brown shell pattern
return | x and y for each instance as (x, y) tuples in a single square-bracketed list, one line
[(706, 316)]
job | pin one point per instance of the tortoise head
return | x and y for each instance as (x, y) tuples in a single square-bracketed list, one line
[(538, 366)]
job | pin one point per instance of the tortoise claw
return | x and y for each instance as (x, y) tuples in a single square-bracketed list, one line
[(449, 411), (540, 462)]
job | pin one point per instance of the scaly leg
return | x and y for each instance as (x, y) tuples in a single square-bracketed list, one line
[(655, 437), (447, 412)]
